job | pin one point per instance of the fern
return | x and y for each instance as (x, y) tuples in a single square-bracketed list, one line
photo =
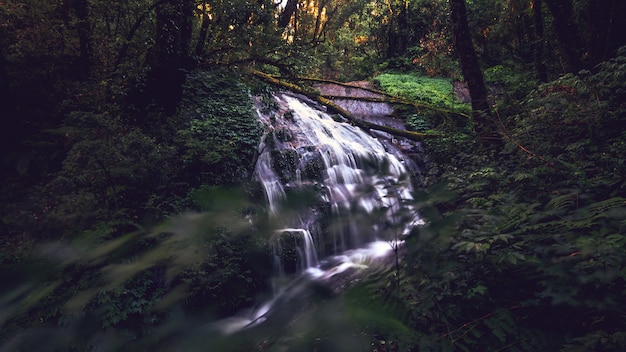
[(601, 208), (561, 202), (501, 326)]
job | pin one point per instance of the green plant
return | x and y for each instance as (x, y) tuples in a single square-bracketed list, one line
[(534, 257), (236, 269), (434, 91), (130, 306), (221, 131)]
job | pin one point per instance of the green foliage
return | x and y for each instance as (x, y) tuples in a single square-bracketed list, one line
[(119, 176), (434, 91), (130, 285), (129, 306), (508, 85), (531, 255), (443, 116), (235, 270), (575, 124), (535, 263), (221, 131), (110, 169), (243, 32), (433, 52), (285, 163)]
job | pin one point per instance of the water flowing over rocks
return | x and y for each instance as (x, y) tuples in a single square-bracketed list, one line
[(340, 199), (380, 113)]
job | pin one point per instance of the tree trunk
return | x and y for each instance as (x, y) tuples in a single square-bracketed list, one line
[(172, 49), (607, 20), (83, 27), (5, 92), (397, 40), (204, 31), (173, 30), (484, 125), (567, 33), (285, 16), (318, 22), (403, 27), (540, 64)]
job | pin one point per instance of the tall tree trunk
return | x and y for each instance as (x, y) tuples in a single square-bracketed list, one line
[(204, 31), (83, 27), (607, 20), (484, 125), (285, 16), (318, 22), (397, 40), (172, 49), (540, 64), (403, 27), (568, 33), (5, 92)]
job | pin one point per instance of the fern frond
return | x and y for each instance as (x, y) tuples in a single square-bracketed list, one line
[(561, 202), (521, 176), (607, 204)]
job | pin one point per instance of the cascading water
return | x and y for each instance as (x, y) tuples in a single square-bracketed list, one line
[(358, 208)]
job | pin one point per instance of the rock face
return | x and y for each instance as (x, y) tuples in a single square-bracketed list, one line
[(379, 113), (357, 107), (462, 92)]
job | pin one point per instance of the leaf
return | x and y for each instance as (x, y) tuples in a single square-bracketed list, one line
[(561, 202)]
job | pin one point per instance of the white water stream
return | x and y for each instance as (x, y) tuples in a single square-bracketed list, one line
[(360, 211)]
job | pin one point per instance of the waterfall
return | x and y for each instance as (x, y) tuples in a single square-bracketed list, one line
[(361, 185), (361, 203)]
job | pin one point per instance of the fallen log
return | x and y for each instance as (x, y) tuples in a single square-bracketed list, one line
[(389, 98), (416, 136)]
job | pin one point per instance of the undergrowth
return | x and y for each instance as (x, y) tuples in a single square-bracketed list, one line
[(86, 274), (531, 254)]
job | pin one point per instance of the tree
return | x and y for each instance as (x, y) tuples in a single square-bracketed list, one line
[(568, 33), (540, 64), (483, 124), (398, 37), (204, 30), (288, 11), (171, 52), (84, 29), (607, 20)]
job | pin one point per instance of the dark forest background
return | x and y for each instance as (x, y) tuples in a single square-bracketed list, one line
[(120, 115)]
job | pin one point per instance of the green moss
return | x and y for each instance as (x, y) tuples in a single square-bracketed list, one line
[(314, 169), (431, 90), (220, 130), (284, 163)]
